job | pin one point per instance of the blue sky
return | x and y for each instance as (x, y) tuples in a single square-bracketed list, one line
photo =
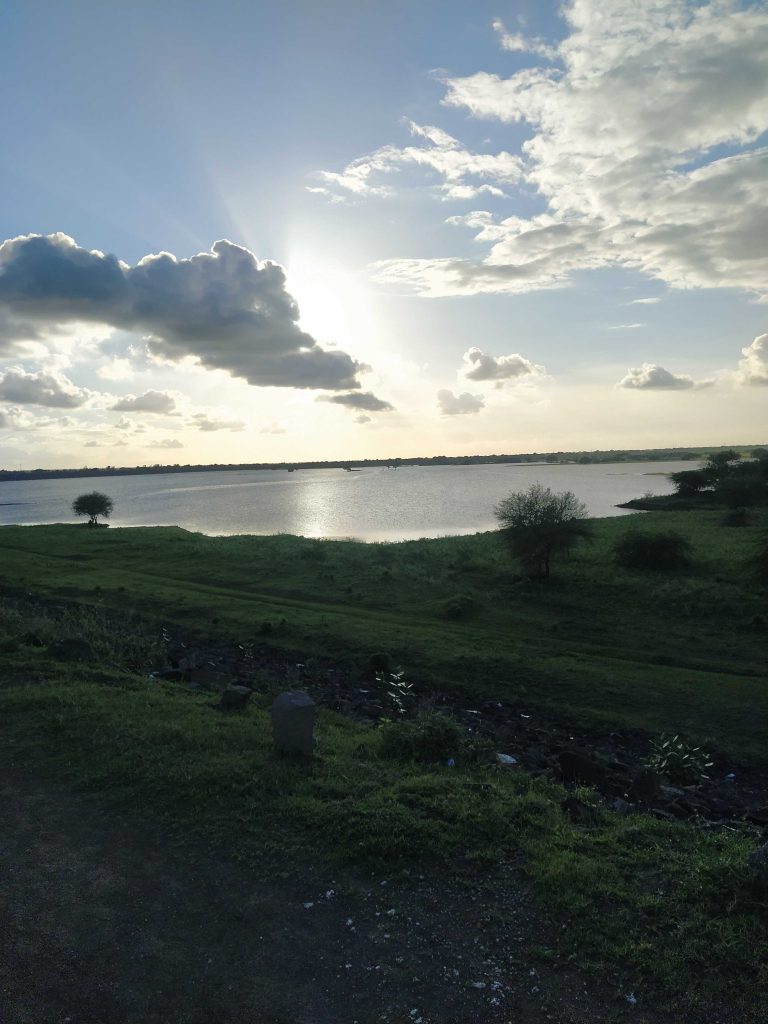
[(468, 201)]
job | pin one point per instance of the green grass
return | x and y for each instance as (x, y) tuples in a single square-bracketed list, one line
[(677, 652)]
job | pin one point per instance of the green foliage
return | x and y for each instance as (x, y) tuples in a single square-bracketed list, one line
[(431, 737), (539, 523), (93, 505), (660, 551), (690, 481), (680, 762), (398, 691)]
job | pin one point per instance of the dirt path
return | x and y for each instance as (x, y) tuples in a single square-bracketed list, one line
[(104, 922)]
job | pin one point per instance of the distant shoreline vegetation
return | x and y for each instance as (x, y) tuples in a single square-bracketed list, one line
[(551, 458)]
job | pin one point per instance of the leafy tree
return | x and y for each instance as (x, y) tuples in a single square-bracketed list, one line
[(539, 523), (93, 505), (691, 481)]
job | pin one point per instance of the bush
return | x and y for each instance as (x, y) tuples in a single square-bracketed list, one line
[(380, 662), (678, 761), (431, 737), (638, 550)]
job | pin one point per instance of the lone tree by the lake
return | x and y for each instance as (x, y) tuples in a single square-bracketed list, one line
[(93, 505), (539, 523)]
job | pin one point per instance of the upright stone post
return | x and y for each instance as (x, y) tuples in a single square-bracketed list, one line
[(293, 723)]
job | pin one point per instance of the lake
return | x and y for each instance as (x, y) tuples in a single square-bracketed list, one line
[(374, 504)]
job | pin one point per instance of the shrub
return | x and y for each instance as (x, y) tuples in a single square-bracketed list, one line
[(678, 761), (638, 550), (380, 662), (431, 737)]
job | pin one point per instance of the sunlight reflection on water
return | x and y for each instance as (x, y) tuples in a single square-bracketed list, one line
[(375, 504)]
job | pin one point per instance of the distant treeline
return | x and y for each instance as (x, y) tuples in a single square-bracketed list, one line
[(553, 458)]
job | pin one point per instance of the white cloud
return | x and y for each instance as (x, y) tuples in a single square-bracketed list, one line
[(47, 389), (165, 443), (480, 366), (516, 42), (624, 327), (753, 368), (644, 302), (161, 402), (643, 149), (459, 405), (223, 308), (202, 421), (462, 173), (651, 377)]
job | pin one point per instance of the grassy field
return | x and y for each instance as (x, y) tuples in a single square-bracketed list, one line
[(683, 652)]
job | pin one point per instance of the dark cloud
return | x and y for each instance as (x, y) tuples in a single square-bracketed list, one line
[(161, 402), (3, 419), (92, 444), (361, 400), (47, 389), (459, 405), (362, 418), (225, 308)]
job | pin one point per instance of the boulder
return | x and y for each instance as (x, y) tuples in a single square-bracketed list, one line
[(580, 766), (234, 698), (645, 788), (293, 723)]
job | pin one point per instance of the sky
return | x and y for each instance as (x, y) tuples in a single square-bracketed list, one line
[(258, 232)]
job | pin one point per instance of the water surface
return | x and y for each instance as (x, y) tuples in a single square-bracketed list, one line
[(373, 504)]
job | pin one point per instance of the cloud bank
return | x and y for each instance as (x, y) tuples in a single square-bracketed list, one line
[(224, 308), (645, 149)]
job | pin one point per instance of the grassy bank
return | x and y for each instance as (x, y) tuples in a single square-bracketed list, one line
[(681, 652)]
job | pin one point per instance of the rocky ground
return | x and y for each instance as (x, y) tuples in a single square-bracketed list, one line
[(734, 793), (106, 922)]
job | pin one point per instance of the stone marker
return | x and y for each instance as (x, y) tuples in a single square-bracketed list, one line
[(293, 723)]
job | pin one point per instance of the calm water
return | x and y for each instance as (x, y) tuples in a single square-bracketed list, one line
[(373, 504)]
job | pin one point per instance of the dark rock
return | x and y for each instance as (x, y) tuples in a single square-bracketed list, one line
[(71, 648), (621, 806), (578, 811), (234, 698), (645, 787), (293, 723), (758, 860), (579, 765)]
